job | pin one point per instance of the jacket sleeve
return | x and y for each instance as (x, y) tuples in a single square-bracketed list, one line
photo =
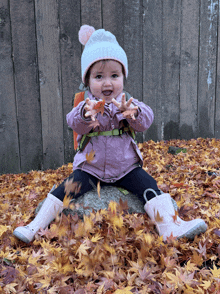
[(76, 120), (144, 118)]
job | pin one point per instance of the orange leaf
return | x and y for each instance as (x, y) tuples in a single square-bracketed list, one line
[(99, 107), (157, 217), (175, 217), (90, 156)]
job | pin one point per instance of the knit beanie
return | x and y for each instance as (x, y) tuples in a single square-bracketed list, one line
[(99, 44)]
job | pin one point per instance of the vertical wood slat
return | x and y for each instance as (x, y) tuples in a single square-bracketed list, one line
[(134, 49), (207, 67), (47, 28), (152, 66), (26, 84), (9, 146), (189, 68), (91, 13), (217, 105), (171, 68), (70, 49)]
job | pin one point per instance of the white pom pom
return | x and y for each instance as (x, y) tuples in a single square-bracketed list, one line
[(85, 33)]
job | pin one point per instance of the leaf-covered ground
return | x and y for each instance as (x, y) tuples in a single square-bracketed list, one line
[(112, 251)]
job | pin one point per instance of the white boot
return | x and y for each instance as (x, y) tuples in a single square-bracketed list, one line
[(161, 211), (50, 208)]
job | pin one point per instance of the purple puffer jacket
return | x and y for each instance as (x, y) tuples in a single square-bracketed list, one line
[(115, 156)]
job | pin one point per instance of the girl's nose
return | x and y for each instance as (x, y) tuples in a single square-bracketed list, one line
[(107, 82)]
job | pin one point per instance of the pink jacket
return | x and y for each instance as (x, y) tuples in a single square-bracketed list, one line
[(115, 156)]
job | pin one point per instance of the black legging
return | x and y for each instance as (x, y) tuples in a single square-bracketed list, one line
[(137, 181)]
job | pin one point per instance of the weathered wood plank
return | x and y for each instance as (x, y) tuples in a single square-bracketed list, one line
[(50, 82), (217, 104), (207, 67), (114, 23), (9, 147), (26, 84), (152, 66), (91, 13), (189, 68), (171, 68), (132, 19), (70, 49)]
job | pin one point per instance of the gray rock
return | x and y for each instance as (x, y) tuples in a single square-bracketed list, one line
[(90, 201)]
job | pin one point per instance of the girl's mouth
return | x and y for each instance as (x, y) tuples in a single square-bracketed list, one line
[(107, 92)]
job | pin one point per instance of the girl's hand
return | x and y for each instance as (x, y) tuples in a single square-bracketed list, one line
[(89, 109), (127, 108)]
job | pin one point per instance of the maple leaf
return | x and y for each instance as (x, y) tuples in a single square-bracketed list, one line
[(90, 156), (72, 187), (157, 217), (10, 274), (99, 107), (206, 284), (215, 271), (98, 189), (126, 290), (175, 218)]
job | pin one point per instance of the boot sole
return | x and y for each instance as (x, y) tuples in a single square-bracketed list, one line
[(21, 237), (197, 230)]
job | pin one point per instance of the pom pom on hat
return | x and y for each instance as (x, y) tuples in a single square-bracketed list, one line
[(85, 33)]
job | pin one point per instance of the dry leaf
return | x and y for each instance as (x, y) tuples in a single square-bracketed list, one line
[(98, 188), (157, 217), (99, 107), (90, 156)]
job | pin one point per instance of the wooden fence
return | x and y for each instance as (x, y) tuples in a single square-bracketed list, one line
[(173, 53)]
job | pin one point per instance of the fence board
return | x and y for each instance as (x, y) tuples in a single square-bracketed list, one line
[(70, 49), (91, 13), (9, 149), (217, 105), (152, 66), (114, 24), (26, 84), (171, 68), (50, 82), (134, 49), (207, 67), (189, 68)]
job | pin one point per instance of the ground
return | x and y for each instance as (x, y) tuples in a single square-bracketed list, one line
[(112, 251)]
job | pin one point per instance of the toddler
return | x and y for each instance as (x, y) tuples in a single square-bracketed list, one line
[(108, 135)]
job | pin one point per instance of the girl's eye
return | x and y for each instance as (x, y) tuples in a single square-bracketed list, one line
[(114, 75), (98, 77)]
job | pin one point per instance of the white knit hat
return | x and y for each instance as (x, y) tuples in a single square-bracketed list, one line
[(99, 44)]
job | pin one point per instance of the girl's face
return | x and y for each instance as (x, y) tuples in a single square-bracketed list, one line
[(106, 80)]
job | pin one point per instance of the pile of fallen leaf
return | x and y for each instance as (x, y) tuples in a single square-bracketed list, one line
[(111, 251)]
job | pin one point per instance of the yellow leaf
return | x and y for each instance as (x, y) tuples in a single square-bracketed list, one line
[(98, 188), (3, 229), (66, 201), (126, 290), (82, 250), (109, 248), (112, 206), (148, 238), (117, 221), (215, 272), (96, 238), (90, 156), (206, 284)]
